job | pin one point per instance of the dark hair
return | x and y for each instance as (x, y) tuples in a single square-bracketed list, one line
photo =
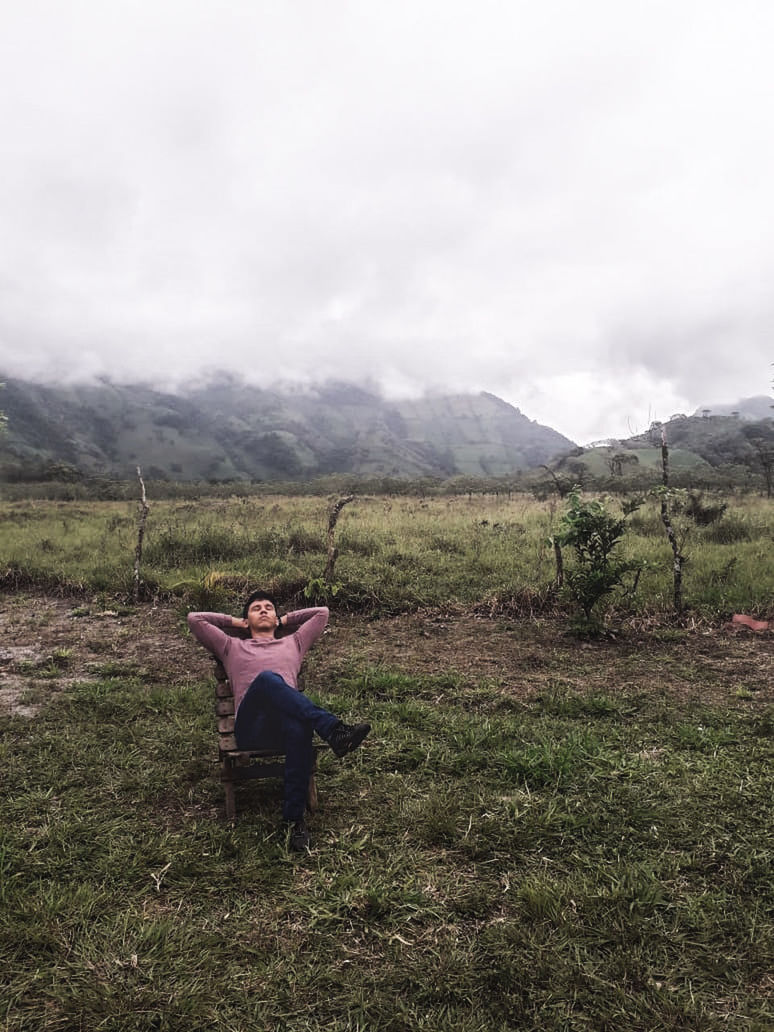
[(257, 596)]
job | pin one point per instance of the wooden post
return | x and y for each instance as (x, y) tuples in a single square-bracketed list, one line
[(143, 516), (559, 581), (677, 558), (228, 788), (333, 515)]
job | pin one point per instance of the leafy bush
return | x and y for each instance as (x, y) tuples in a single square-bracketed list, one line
[(593, 534), (703, 513), (319, 592), (728, 531)]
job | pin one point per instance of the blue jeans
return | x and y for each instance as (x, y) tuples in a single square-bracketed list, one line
[(274, 715)]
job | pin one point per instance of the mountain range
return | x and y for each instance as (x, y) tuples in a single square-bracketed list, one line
[(228, 430)]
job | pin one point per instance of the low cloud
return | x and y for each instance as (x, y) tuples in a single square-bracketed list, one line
[(567, 207)]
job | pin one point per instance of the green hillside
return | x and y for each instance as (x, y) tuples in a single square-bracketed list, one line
[(718, 440), (733, 446), (601, 461), (479, 435), (231, 430)]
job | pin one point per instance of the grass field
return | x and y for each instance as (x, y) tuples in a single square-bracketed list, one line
[(540, 834), (544, 831), (396, 554)]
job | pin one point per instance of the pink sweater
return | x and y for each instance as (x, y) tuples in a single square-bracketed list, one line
[(245, 658)]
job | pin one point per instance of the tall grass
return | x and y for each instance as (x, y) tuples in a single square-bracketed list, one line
[(394, 553)]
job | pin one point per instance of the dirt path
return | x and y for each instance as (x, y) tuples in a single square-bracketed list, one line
[(51, 642)]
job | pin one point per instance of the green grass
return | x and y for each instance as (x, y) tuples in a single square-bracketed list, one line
[(395, 554), (560, 860)]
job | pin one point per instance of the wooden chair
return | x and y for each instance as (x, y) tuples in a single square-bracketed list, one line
[(247, 764)]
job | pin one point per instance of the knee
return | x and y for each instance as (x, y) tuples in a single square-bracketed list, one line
[(268, 681)]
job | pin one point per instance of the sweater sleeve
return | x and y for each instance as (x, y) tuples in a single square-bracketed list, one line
[(307, 626), (207, 628)]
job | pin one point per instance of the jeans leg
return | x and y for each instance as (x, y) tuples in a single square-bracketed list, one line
[(298, 766), (258, 729), (270, 694), (273, 715)]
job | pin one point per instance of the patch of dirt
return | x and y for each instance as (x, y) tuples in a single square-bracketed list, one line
[(523, 657), (48, 643), (51, 642)]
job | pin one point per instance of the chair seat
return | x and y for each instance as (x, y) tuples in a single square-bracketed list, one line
[(248, 764)]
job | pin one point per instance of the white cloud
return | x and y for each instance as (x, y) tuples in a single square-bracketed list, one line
[(564, 204)]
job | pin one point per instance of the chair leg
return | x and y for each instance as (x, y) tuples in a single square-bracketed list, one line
[(230, 801), (228, 787), (311, 792)]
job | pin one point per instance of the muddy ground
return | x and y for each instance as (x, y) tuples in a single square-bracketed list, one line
[(47, 643)]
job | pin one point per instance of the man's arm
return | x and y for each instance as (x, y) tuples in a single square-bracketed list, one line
[(307, 625), (209, 630)]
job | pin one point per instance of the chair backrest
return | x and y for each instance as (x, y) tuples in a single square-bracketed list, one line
[(224, 699), (224, 709)]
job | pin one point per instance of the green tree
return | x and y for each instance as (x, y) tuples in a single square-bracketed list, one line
[(594, 534)]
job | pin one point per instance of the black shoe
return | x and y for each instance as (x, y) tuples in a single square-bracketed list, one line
[(299, 835), (346, 737)]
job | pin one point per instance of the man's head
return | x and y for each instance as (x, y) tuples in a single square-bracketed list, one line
[(260, 611), (258, 596)]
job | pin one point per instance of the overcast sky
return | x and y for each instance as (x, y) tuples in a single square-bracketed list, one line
[(567, 203)]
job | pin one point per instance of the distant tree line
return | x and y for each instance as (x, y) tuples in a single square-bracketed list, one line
[(61, 481)]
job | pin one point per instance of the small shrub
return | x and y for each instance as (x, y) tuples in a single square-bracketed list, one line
[(319, 592), (702, 513), (728, 531), (61, 657), (594, 535)]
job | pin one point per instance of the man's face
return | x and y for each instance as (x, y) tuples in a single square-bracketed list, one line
[(261, 616)]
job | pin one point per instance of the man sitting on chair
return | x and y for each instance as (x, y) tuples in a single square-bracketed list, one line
[(271, 712)]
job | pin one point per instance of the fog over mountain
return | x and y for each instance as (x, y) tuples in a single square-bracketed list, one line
[(567, 205), (226, 431)]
